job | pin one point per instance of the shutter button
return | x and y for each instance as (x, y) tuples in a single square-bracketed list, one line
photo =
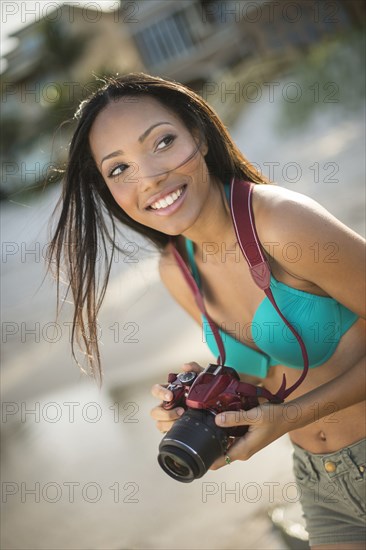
[(330, 466)]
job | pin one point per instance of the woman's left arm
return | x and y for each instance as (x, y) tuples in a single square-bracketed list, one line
[(286, 220)]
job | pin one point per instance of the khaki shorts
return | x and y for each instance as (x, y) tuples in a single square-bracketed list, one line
[(333, 493)]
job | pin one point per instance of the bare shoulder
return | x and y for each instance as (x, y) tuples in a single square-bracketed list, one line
[(307, 241), (288, 215), (174, 282), (279, 214), (274, 209), (270, 200)]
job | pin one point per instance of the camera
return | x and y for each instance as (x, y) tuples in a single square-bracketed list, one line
[(194, 442)]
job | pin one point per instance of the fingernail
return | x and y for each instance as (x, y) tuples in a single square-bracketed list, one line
[(180, 412), (220, 418), (167, 397)]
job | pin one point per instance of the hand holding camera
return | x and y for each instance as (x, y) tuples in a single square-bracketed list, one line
[(194, 441), (163, 416)]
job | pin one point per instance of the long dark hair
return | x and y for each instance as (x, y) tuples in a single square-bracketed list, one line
[(87, 223)]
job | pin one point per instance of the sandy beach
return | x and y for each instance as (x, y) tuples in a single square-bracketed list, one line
[(79, 466)]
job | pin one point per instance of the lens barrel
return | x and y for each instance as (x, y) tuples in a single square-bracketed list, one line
[(192, 444)]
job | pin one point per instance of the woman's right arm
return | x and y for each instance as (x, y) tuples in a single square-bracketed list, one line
[(176, 285)]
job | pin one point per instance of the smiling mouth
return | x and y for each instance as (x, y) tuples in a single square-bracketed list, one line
[(168, 200)]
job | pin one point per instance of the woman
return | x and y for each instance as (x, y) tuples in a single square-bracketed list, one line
[(153, 155)]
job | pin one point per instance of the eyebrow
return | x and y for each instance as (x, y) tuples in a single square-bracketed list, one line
[(141, 139)]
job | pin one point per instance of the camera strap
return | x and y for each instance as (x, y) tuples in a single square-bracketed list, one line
[(246, 234), (243, 220)]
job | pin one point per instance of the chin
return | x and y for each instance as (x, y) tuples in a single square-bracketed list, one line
[(173, 232), (174, 227)]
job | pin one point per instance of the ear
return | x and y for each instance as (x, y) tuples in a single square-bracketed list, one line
[(204, 147), (200, 139)]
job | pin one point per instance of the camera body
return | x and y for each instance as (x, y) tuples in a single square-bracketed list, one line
[(216, 389), (195, 442)]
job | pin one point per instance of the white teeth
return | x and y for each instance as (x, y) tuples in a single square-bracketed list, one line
[(168, 200)]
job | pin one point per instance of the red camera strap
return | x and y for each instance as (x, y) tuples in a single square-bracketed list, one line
[(243, 220)]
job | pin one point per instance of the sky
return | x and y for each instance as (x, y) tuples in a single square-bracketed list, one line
[(16, 14)]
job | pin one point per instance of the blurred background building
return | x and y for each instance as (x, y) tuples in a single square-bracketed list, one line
[(201, 43)]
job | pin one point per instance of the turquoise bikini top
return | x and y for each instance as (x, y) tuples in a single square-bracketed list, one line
[(320, 321)]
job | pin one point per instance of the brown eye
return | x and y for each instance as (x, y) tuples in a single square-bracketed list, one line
[(117, 170), (167, 140)]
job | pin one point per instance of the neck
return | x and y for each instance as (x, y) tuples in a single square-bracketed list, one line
[(214, 228)]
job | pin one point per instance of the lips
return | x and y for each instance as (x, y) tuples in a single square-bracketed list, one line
[(162, 195), (168, 200), (170, 208)]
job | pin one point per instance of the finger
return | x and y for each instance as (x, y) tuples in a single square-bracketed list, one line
[(238, 451), (192, 366), (229, 419), (158, 413), (161, 393), (164, 427)]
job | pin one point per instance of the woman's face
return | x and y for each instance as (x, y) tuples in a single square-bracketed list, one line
[(153, 166)]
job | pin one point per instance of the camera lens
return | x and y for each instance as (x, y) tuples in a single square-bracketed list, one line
[(178, 468), (190, 447), (177, 463)]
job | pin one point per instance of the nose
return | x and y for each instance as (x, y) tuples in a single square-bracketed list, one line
[(150, 175)]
